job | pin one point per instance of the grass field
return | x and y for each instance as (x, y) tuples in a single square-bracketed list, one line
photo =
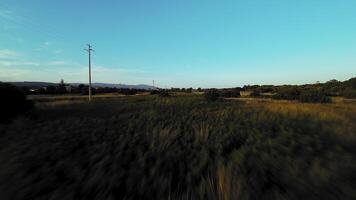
[(182, 147)]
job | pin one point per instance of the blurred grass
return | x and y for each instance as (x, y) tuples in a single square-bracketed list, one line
[(182, 147)]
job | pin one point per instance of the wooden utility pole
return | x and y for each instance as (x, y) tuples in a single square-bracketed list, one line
[(89, 50)]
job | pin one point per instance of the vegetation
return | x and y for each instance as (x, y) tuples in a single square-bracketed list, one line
[(161, 93), (62, 88), (127, 91), (331, 88), (319, 92), (255, 93), (12, 102), (349, 93), (215, 94), (288, 93), (154, 92), (306, 95), (164, 93), (314, 96), (211, 95), (146, 147), (235, 92)]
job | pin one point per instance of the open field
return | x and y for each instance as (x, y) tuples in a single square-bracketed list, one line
[(182, 147)]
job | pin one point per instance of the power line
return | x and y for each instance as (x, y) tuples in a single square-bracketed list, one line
[(89, 50)]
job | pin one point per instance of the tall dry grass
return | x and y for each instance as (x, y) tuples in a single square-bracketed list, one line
[(184, 147)]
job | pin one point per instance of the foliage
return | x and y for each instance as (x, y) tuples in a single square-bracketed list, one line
[(154, 92), (211, 94), (288, 93), (292, 92), (127, 91), (229, 93), (160, 93), (349, 93), (351, 83), (189, 90), (333, 87), (12, 102), (314, 96)]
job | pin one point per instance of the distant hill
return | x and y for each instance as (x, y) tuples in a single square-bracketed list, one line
[(113, 85), (31, 84)]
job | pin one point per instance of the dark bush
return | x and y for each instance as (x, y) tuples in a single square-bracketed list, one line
[(314, 96), (12, 102), (349, 93), (154, 92), (211, 95), (288, 93), (230, 93), (127, 91), (189, 90), (161, 93)]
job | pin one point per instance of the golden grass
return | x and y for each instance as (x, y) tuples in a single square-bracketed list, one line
[(245, 93), (340, 108), (341, 111)]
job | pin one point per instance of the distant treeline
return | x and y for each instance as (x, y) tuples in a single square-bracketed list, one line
[(319, 92), (82, 89), (331, 88)]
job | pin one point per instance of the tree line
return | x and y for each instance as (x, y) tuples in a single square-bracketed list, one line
[(319, 92)]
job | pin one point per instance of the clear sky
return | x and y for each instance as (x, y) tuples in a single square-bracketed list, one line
[(181, 43)]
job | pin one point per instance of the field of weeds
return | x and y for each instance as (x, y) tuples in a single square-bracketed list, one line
[(147, 147)]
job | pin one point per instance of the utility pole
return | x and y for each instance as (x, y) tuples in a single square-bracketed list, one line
[(153, 84), (89, 50)]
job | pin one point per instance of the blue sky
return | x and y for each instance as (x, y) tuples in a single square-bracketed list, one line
[(198, 43)]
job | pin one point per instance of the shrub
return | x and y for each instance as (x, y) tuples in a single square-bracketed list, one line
[(189, 90), (314, 96), (211, 95), (288, 93), (349, 93), (161, 93), (12, 102), (127, 91), (154, 92), (230, 93)]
